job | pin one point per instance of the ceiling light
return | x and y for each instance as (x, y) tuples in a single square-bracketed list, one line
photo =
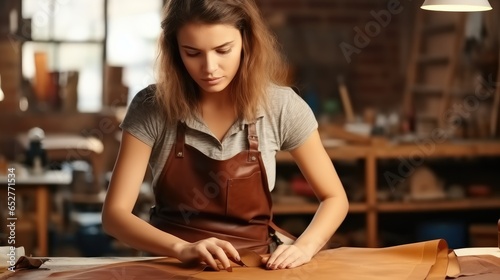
[(457, 5)]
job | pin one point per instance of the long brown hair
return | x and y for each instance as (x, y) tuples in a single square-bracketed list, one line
[(261, 63)]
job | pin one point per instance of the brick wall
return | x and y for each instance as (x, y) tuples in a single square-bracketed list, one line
[(322, 39)]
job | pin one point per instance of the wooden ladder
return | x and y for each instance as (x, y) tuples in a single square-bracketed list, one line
[(438, 39)]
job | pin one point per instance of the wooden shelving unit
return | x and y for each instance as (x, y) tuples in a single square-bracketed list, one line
[(371, 154), (310, 208), (442, 205)]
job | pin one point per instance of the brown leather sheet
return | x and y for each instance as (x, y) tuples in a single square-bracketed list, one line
[(416, 261), (425, 260)]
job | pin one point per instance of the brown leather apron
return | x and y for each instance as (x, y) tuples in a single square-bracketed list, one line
[(198, 197)]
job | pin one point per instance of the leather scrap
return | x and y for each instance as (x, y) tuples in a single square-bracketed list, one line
[(29, 262), (23, 263), (480, 267), (250, 258)]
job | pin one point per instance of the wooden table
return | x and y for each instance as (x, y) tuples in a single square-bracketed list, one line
[(40, 184), (416, 261)]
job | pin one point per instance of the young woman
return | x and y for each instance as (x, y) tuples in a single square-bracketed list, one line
[(210, 129)]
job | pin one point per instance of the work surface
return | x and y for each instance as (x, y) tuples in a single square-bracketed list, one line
[(424, 260)]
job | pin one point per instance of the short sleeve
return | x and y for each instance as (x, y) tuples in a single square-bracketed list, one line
[(142, 119), (297, 121)]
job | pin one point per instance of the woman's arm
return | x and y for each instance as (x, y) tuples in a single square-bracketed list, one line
[(317, 168), (119, 221), (123, 190)]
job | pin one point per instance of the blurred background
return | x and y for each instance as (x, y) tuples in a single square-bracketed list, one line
[(407, 101)]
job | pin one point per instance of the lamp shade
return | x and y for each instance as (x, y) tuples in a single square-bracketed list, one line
[(457, 5)]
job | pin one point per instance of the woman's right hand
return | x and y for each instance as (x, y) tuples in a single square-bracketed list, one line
[(208, 250)]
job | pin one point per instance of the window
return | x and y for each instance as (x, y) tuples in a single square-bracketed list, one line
[(134, 27), (72, 35)]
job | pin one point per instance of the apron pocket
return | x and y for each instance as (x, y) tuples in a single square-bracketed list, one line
[(246, 198)]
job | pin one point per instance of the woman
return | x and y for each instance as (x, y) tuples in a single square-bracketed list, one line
[(210, 129)]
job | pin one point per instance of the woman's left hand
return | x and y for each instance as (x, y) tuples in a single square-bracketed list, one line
[(287, 256)]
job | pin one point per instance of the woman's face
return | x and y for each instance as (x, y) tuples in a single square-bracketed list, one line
[(211, 54)]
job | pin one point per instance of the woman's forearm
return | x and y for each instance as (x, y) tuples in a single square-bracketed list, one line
[(140, 235), (330, 214)]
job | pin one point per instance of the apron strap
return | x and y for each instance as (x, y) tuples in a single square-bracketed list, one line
[(253, 155), (253, 142), (180, 138)]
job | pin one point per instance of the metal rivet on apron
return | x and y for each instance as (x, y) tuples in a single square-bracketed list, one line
[(253, 158), (179, 154)]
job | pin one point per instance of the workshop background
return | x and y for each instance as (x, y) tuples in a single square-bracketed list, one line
[(407, 100)]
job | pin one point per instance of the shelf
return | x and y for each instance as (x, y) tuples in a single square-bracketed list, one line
[(347, 152), (430, 149), (436, 91), (310, 208), (66, 41), (54, 41), (425, 117), (415, 206), (432, 29), (433, 59), (427, 90), (441, 205)]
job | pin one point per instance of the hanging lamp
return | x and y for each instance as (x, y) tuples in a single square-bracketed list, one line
[(457, 5)]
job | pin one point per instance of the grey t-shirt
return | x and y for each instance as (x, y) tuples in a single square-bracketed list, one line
[(284, 124)]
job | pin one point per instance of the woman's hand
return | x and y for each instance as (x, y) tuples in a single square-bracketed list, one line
[(208, 250), (287, 256)]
